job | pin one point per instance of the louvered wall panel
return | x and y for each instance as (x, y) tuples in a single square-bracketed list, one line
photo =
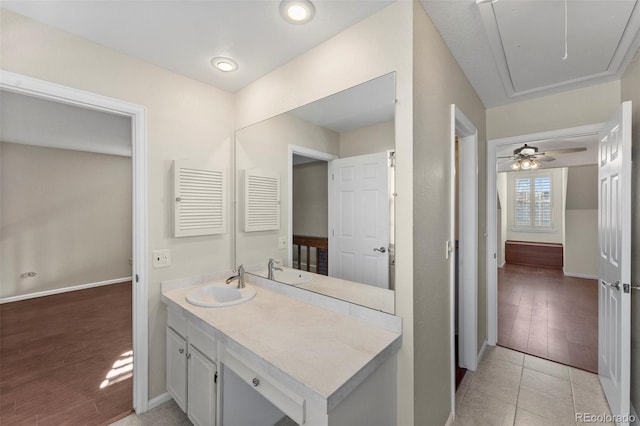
[(261, 200), (200, 200)]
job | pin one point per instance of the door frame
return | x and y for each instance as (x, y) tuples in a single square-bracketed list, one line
[(311, 153), (492, 219), (42, 89), (468, 180)]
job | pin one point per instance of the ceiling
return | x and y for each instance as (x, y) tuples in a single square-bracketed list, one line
[(360, 106), (183, 36), (590, 156), (512, 50), (34, 121)]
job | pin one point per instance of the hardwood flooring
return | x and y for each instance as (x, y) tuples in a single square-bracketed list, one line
[(66, 359), (543, 313)]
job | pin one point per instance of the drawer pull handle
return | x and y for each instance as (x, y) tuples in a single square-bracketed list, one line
[(255, 382)]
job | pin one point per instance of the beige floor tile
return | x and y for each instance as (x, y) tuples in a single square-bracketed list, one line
[(526, 418), (545, 384), (584, 378), (590, 399), (499, 379), (503, 354), (167, 414), (547, 367), (558, 411), (462, 389), (481, 409)]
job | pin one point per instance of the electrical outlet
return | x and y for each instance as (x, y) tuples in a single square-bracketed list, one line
[(161, 258), (282, 242)]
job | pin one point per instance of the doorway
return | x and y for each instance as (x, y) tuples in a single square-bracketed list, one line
[(28, 86)]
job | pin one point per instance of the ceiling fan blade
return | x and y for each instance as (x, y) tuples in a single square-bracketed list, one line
[(513, 157), (564, 151), (545, 158)]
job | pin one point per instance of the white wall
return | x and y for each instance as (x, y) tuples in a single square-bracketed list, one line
[(378, 45), (186, 119), (630, 90), (66, 215), (266, 145), (368, 140), (589, 105)]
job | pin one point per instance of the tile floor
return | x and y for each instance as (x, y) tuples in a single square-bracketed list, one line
[(543, 313), (512, 388)]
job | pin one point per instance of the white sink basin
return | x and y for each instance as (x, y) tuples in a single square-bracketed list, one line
[(292, 276), (217, 295)]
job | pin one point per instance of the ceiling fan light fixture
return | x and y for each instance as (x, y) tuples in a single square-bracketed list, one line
[(515, 166), (535, 165), (525, 164), (297, 11)]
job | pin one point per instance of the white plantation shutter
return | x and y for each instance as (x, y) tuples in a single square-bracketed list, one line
[(200, 199), (261, 200), (533, 202), (542, 210), (523, 202)]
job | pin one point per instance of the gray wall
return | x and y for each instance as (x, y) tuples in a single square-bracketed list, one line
[(66, 215), (438, 82), (310, 199)]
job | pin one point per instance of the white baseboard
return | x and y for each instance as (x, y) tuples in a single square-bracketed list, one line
[(483, 348), (502, 265), (450, 419), (575, 275), (159, 400), (636, 422), (62, 290)]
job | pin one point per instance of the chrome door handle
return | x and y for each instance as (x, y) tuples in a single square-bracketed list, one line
[(615, 285), (381, 249)]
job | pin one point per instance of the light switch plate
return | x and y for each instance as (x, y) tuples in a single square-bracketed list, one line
[(161, 258), (282, 242)]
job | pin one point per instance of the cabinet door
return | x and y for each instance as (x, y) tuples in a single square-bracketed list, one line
[(202, 389), (177, 368)]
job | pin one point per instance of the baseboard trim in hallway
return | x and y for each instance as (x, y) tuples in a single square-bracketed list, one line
[(62, 290), (159, 400)]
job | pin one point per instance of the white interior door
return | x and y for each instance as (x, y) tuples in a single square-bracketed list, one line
[(614, 228), (359, 234)]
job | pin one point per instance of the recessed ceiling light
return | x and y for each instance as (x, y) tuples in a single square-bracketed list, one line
[(224, 64), (297, 11)]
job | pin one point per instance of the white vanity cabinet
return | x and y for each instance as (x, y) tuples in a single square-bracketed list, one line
[(191, 373)]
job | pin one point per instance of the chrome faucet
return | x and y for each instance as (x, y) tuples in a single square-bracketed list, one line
[(239, 276), (272, 268)]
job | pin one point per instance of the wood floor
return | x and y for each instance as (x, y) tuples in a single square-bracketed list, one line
[(543, 313), (66, 359)]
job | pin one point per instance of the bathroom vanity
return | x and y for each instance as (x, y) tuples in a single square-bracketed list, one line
[(287, 351)]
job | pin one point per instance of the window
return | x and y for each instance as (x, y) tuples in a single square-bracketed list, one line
[(533, 202)]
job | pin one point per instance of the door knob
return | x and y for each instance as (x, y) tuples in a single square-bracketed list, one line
[(615, 285), (381, 249)]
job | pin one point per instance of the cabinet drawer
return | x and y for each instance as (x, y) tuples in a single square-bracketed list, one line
[(289, 403), (176, 321), (203, 341)]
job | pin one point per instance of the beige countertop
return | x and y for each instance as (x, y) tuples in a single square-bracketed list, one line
[(327, 352)]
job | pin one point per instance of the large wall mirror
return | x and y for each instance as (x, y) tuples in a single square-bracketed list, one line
[(315, 194)]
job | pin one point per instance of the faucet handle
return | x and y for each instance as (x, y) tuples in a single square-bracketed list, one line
[(273, 261)]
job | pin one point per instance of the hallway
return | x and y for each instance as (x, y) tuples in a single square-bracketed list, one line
[(511, 388), (544, 313)]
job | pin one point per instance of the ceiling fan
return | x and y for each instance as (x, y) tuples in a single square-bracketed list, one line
[(529, 157)]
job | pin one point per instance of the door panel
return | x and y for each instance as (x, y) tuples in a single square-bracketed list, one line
[(614, 227), (360, 187)]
